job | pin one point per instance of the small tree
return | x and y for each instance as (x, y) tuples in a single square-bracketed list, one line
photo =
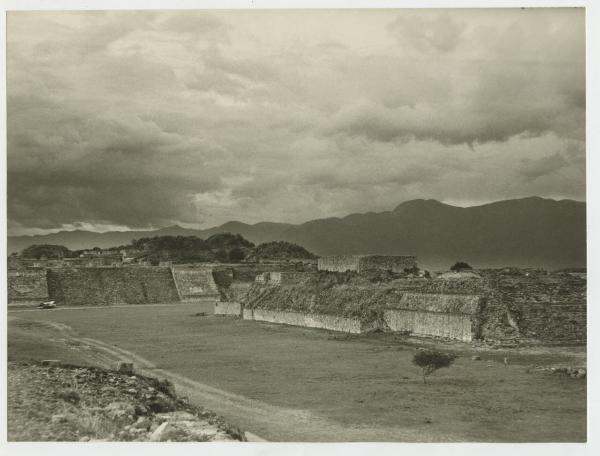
[(460, 266), (430, 361)]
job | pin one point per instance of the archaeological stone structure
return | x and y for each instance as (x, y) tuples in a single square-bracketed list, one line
[(233, 309), (27, 286), (439, 315), (108, 285), (330, 322), (195, 284), (551, 307), (366, 263), (508, 305), (494, 305)]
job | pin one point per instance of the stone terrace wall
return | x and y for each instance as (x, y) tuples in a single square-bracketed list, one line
[(107, 286), (282, 278), (518, 307), (441, 303), (333, 323), (338, 263), (195, 283), (550, 307), (248, 272), (373, 263), (454, 316), (232, 309), (551, 322), (436, 324), (27, 286), (495, 318)]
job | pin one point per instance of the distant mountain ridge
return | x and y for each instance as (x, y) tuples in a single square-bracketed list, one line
[(527, 232)]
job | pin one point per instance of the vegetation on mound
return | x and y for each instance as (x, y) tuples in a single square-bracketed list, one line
[(182, 249), (281, 250), (366, 297), (344, 294), (461, 266), (49, 251), (221, 247)]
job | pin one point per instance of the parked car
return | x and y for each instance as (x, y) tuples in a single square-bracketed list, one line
[(47, 305)]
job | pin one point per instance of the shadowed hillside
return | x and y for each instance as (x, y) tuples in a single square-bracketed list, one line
[(528, 232)]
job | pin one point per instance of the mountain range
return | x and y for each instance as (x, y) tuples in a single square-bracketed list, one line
[(526, 232)]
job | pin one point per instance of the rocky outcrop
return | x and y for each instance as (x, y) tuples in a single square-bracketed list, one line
[(87, 404)]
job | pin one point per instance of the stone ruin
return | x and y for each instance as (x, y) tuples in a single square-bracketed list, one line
[(510, 305), (108, 286), (491, 305), (366, 263), (439, 315)]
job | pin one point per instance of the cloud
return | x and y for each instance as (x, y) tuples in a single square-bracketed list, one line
[(521, 75), (142, 120), (532, 169), (196, 24), (441, 33)]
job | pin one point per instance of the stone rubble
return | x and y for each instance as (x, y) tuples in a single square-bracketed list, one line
[(70, 403)]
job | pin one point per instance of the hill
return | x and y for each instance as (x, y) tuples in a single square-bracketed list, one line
[(528, 232)]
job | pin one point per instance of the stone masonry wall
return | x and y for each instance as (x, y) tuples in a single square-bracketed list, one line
[(436, 324), (333, 323), (108, 286), (373, 263), (27, 286), (282, 278), (195, 283), (232, 309), (338, 263), (495, 305), (441, 303), (454, 316), (366, 263), (550, 307)]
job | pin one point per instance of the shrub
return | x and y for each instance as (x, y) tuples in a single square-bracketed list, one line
[(236, 254), (429, 361), (70, 395), (460, 266), (414, 270)]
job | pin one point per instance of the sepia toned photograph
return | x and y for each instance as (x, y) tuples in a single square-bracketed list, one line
[(296, 225)]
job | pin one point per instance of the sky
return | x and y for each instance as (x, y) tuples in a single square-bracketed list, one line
[(144, 119)]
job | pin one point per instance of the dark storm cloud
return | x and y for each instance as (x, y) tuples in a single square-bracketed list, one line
[(145, 119)]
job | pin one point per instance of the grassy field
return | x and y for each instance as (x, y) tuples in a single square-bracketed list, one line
[(359, 387)]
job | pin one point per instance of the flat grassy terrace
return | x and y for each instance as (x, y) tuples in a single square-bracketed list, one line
[(356, 388)]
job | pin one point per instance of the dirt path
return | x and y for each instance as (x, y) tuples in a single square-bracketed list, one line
[(262, 420)]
